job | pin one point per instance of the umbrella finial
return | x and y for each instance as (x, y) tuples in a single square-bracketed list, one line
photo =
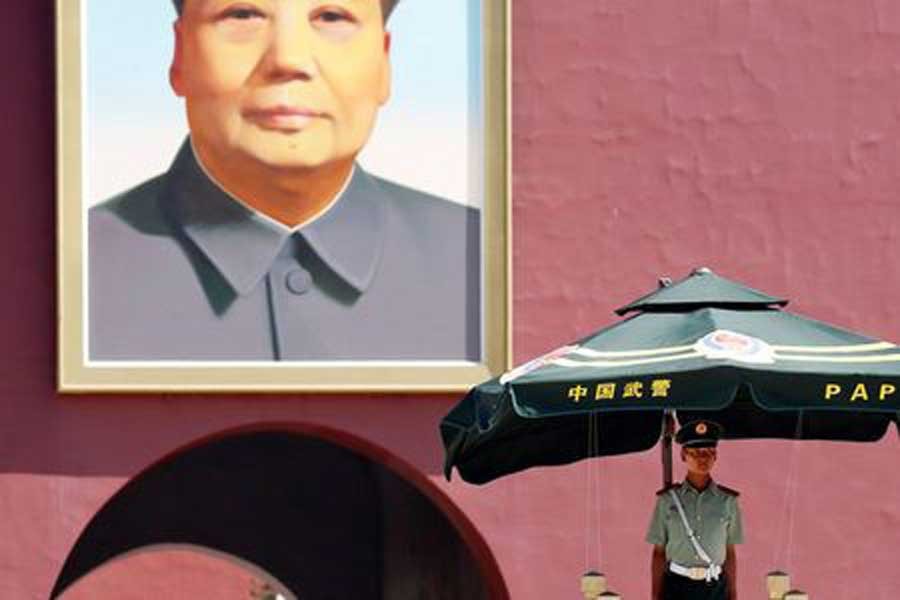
[(702, 271)]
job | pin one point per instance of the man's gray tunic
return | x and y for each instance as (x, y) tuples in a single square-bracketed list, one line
[(178, 270), (714, 516)]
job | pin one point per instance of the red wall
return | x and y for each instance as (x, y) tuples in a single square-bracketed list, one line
[(760, 138)]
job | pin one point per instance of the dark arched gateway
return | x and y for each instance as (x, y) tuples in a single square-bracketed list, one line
[(316, 509)]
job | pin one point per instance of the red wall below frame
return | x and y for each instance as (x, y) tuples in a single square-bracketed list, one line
[(758, 137)]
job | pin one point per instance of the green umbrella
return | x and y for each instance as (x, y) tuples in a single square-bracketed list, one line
[(704, 346)]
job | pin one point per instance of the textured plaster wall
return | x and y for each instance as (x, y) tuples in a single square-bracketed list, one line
[(171, 573), (760, 138)]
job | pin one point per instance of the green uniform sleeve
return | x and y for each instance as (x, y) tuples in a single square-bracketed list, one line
[(735, 534), (656, 533)]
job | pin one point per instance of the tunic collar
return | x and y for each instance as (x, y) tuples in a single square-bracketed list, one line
[(242, 244), (712, 488)]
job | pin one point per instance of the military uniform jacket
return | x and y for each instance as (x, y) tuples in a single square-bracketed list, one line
[(714, 516), (180, 270)]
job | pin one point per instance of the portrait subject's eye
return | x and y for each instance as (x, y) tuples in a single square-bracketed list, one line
[(335, 22), (240, 21), (242, 12)]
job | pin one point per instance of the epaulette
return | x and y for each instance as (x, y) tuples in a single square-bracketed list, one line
[(671, 486), (728, 490)]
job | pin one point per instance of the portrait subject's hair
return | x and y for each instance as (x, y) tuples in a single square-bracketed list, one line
[(387, 6)]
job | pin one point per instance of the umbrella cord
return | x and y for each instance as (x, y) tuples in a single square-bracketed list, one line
[(589, 493), (786, 534), (592, 495)]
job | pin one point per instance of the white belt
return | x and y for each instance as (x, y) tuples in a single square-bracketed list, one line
[(696, 573)]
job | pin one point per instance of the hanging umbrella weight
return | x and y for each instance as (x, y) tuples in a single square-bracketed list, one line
[(592, 585), (778, 583)]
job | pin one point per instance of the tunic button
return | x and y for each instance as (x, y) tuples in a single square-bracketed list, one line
[(298, 281)]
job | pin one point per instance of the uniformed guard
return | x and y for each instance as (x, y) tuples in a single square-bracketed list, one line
[(695, 526)]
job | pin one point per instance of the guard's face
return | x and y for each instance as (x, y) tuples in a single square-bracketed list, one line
[(699, 460), (289, 83)]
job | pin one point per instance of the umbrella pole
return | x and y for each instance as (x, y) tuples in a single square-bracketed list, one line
[(668, 434)]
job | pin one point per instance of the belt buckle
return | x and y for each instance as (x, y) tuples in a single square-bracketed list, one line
[(697, 573)]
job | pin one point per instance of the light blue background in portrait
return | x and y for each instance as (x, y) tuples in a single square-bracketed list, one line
[(429, 136)]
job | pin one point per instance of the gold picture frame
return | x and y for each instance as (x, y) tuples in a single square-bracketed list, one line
[(78, 373)]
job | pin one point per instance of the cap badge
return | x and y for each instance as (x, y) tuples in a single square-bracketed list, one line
[(700, 428)]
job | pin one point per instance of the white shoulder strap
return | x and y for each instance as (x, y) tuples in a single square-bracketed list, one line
[(697, 547)]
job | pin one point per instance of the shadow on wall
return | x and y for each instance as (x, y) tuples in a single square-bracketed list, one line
[(323, 520)]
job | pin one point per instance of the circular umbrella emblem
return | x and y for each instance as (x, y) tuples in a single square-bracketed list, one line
[(724, 344)]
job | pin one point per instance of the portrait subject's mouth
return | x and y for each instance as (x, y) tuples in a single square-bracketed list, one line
[(282, 118)]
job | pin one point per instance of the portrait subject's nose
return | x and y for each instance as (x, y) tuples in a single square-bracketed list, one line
[(290, 54)]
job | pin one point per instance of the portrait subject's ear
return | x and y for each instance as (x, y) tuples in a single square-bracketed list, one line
[(176, 79), (385, 92)]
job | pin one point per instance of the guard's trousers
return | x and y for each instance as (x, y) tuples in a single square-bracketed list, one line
[(677, 587)]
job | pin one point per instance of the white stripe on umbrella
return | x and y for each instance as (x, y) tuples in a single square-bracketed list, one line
[(607, 364)]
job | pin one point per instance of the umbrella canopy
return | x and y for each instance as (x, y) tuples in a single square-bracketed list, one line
[(705, 346)]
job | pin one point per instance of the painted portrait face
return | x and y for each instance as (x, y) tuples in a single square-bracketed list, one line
[(289, 83)]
